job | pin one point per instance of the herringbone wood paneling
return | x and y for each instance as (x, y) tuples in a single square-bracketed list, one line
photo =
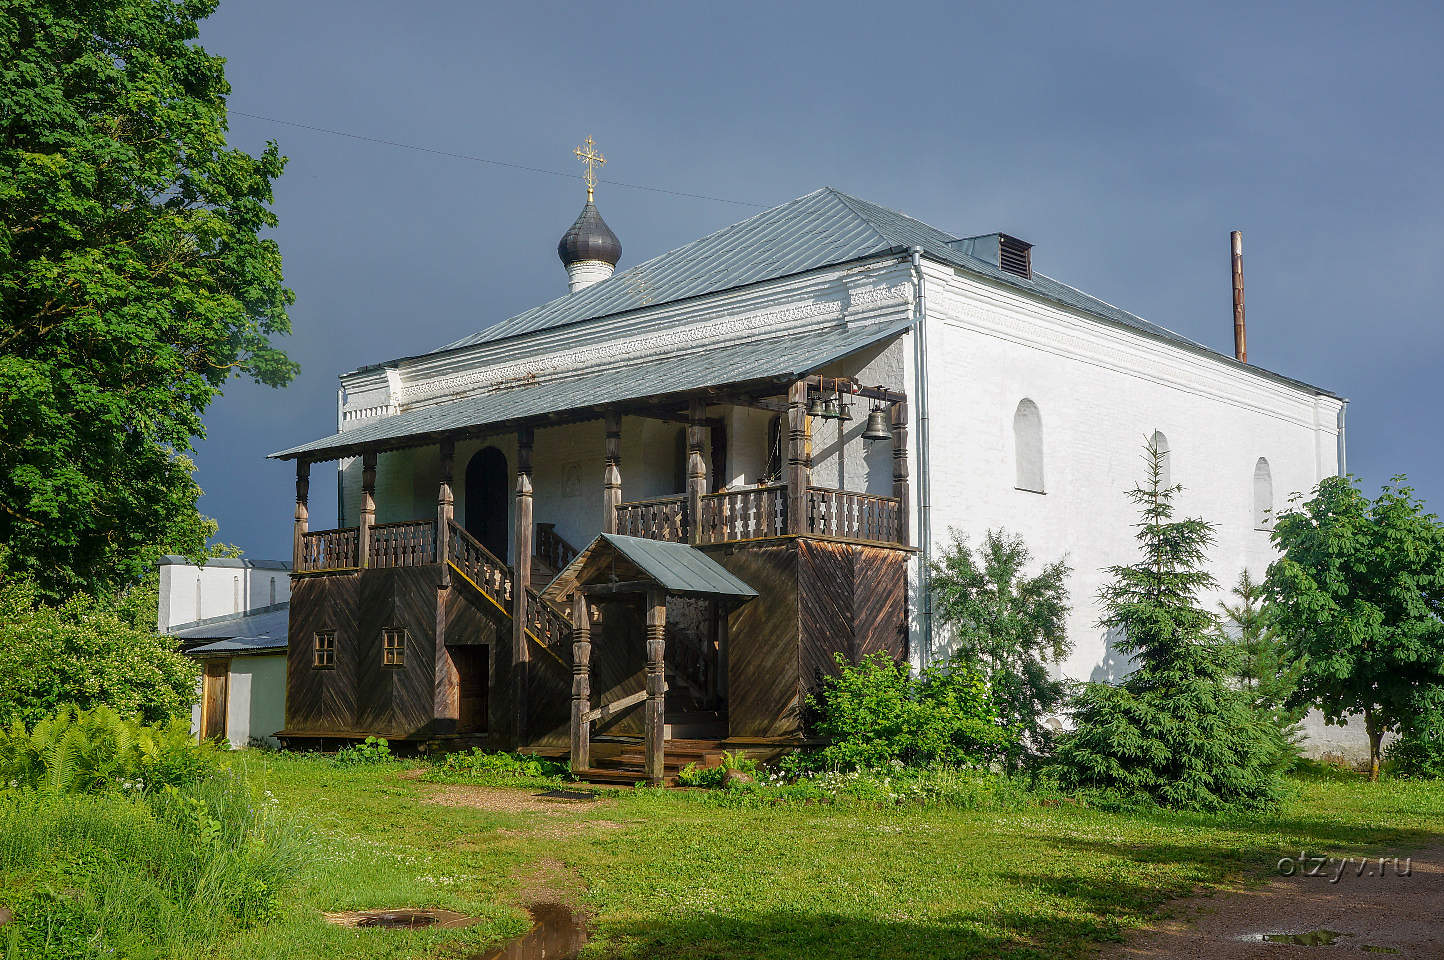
[(764, 688), (322, 701)]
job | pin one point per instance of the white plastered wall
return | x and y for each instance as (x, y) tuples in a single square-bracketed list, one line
[(1101, 391), (222, 587)]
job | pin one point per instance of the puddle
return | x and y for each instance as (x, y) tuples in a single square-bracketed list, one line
[(1367, 948), (557, 933), (564, 794), (1311, 938), (406, 919)]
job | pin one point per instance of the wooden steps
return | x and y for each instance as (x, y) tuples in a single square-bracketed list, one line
[(626, 765)]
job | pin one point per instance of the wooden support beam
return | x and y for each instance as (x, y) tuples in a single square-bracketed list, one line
[(612, 472), (445, 507), (797, 472), (368, 510), (298, 536), (654, 728), (900, 469), (610, 709), (696, 468), (614, 589), (581, 738), (521, 581)]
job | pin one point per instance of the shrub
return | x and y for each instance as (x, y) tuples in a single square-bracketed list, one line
[(86, 652), (1418, 751), (98, 750), (371, 750), (877, 713), (510, 769), (715, 777)]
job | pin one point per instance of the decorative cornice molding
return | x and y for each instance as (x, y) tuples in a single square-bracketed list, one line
[(603, 355)]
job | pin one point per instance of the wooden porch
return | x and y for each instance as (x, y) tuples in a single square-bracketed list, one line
[(830, 564)]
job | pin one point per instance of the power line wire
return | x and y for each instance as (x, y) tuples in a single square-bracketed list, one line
[(487, 160)]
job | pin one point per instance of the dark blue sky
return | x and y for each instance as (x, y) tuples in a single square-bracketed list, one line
[(1125, 141)]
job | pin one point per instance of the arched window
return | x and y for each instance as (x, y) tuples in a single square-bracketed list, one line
[(1263, 495), (1028, 445), (1165, 461)]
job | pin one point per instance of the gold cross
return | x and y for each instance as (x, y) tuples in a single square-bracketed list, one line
[(592, 159)]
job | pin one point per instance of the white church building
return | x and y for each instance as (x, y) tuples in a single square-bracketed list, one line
[(829, 380)]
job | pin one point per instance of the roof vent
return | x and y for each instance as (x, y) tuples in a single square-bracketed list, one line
[(1015, 256), (1002, 251)]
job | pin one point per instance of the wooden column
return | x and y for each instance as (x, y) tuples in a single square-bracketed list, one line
[(900, 467), (521, 581), (445, 508), (303, 516), (696, 468), (368, 509), (581, 682), (612, 472), (656, 717), (798, 470)]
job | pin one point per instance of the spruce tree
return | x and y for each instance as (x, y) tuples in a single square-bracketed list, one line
[(1259, 664), (1175, 731)]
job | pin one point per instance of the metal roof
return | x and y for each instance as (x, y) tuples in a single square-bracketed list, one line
[(238, 647), (676, 567), (778, 358), (264, 623), (823, 228)]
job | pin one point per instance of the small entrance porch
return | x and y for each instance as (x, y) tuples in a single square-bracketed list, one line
[(619, 582)]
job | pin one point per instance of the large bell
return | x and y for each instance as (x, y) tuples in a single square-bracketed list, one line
[(814, 409), (877, 426)]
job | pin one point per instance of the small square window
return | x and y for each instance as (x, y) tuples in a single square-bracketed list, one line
[(323, 656), (393, 647)]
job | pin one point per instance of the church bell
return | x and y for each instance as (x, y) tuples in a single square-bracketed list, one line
[(877, 425)]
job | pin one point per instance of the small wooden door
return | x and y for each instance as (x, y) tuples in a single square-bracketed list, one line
[(213, 699), (472, 666)]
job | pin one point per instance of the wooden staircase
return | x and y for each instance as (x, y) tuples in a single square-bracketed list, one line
[(626, 766)]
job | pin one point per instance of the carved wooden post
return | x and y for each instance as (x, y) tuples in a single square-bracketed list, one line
[(612, 472), (696, 468), (900, 467), (368, 510), (799, 457), (303, 516), (521, 580), (656, 716), (445, 506), (581, 682)]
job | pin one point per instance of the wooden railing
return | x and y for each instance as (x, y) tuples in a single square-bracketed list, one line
[(410, 543), (743, 514), (660, 519), (552, 548), (329, 550), (478, 563), (852, 516), (549, 624), (762, 512)]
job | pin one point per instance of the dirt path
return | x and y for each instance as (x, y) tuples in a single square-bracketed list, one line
[(1374, 914)]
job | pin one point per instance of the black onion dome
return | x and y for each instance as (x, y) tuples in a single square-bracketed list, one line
[(589, 239)]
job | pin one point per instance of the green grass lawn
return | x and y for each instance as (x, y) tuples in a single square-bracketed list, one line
[(666, 875)]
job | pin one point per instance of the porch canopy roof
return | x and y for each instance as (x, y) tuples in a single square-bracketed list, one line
[(770, 362), (612, 559)]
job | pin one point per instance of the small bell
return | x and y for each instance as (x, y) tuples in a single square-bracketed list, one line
[(844, 408), (815, 408), (829, 408), (877, 425)]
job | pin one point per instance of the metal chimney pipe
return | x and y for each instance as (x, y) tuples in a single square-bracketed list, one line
[(1240, 339)]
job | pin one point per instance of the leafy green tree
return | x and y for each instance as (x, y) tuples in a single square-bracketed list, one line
[(88, 652), (1358, 594), (1008, 625), (134, 279), (1258, 659), (1175, 730)]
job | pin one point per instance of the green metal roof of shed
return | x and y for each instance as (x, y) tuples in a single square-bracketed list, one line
[(676, 567)]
